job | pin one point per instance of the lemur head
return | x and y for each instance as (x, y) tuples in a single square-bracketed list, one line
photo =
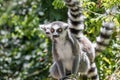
[(46, 29), (59, 29)]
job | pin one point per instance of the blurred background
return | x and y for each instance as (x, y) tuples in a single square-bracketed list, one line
[(25, 52)]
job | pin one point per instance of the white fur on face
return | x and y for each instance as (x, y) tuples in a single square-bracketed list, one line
[(56, 27)]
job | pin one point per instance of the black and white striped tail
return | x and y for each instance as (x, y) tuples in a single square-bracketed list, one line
[(92, 73), (104, 38), (75, 17)]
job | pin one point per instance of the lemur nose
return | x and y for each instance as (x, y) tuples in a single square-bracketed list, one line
[(47, 32), (55, 36)]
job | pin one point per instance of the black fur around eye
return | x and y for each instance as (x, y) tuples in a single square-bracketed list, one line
[(59, 30), (52, 30)]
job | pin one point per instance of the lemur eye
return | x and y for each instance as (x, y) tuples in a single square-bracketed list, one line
[(59, 30), (52, 30)]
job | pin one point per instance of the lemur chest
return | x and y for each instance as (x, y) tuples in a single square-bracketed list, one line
[(64, 51)]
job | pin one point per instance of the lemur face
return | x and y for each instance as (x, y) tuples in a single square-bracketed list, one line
[(58, 29), (46, 29)]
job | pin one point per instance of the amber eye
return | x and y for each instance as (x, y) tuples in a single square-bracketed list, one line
[(52, 30), (59, 30)]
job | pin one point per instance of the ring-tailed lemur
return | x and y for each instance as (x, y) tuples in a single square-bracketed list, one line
[(103, 40), (83, 58), (65, 51)]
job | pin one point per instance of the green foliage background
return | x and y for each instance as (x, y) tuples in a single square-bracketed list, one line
[(23, 46)]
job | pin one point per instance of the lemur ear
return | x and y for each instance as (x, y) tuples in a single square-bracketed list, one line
[(42, 27), (66, 26)]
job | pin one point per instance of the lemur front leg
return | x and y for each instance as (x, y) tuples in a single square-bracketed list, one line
[(59, 64)]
